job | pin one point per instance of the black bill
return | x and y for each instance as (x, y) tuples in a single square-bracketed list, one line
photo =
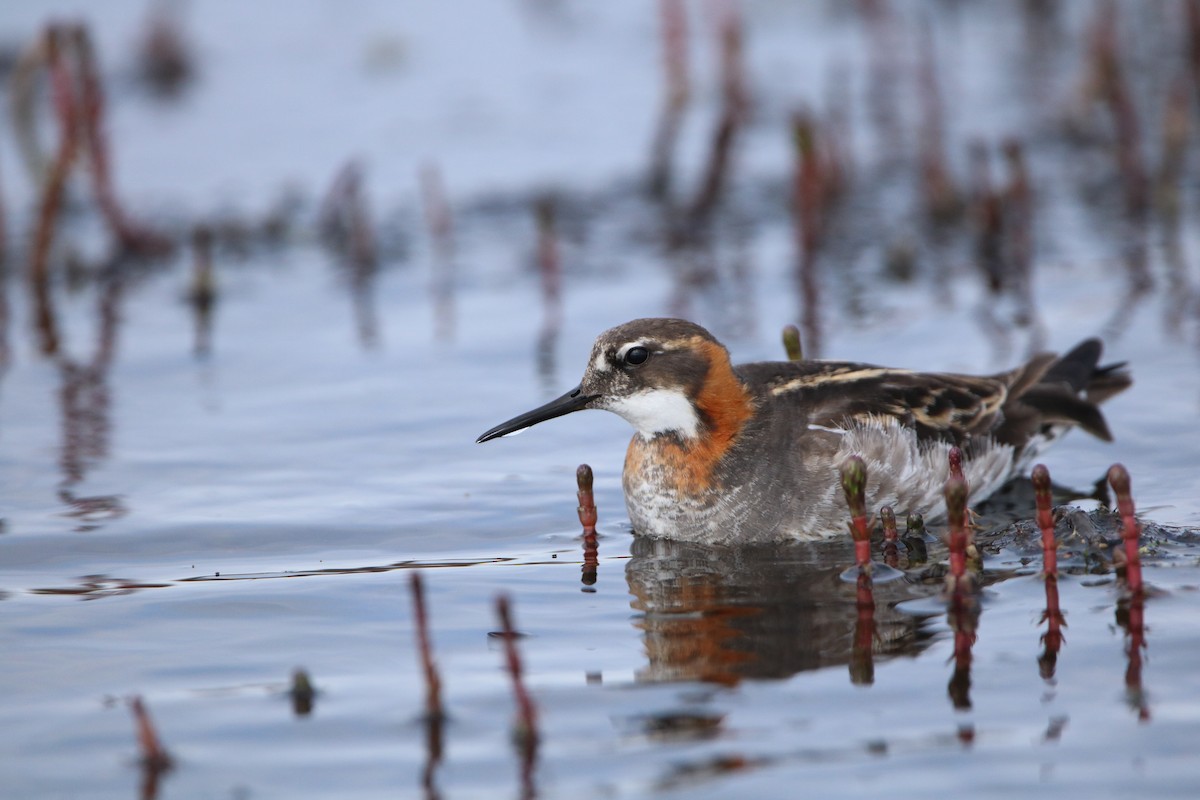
[(574, 400)]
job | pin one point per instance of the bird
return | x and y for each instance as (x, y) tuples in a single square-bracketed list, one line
[(725, 454)]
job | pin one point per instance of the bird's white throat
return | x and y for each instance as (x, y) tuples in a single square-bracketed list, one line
[(654, 411)]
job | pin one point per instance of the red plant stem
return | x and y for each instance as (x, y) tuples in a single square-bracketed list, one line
[(854, 484), (526, 725), (1118, 476), (941, 201), (956, 511), (433, 682), (729, 32), (674, 41), (808, 184), (154, 755), (1045, 519), (92, 120), (54, 184), (673, 18), (587, 502), (549, 262), (1106, 56)]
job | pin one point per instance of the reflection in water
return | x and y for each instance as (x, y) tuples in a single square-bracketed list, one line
[(1052, 639), (434, 716), (92, 587), (591, 561), (962, 616), (1131, 618), (84, 399), (724, 614)]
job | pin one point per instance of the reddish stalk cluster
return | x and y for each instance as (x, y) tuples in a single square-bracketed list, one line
[(1045, 519), (958, 581), (1118, 477), (67, 54), (1131, 608), (587, 518), (854, 484), (587, 501)]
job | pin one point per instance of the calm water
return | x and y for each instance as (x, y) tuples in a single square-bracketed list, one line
[(190, 513)]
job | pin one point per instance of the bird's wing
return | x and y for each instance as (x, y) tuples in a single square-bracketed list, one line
[(938, 406)]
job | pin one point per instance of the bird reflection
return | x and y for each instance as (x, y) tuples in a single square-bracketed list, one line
[(725, 614)]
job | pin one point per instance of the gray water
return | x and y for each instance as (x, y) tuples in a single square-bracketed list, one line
[(190, 516)]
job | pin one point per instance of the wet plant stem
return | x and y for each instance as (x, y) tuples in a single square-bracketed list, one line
[(525, 727), (854, 484), (956, 512), (1045, 519), (154, 757), (433, 681), (1118, 477), (587, 501)]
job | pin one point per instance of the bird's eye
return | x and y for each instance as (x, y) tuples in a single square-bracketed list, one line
[(636, 355)]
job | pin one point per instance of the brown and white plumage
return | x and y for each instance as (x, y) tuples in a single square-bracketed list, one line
[(751, 453)]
